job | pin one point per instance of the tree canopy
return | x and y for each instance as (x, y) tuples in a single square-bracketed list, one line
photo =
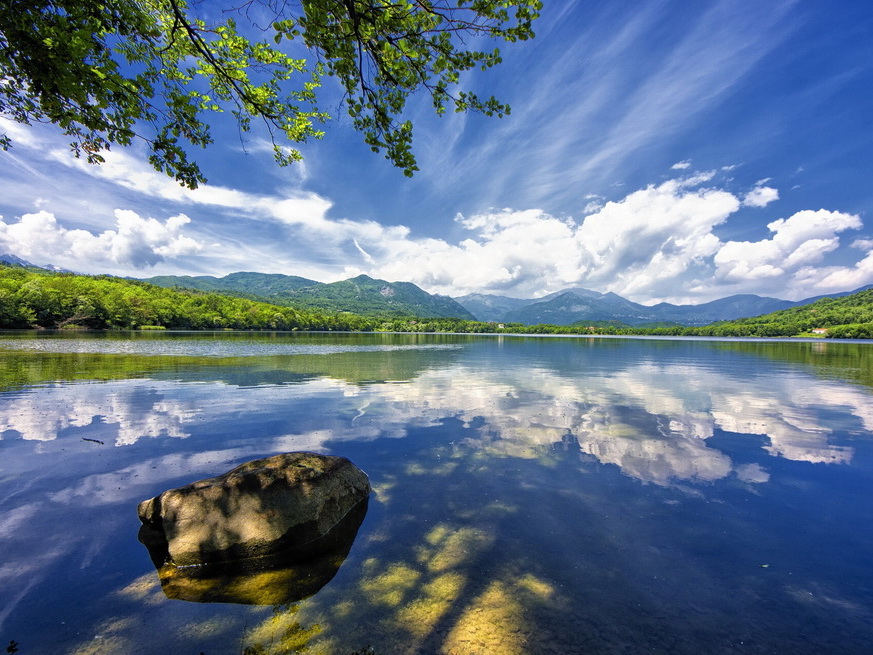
[(110, 72)]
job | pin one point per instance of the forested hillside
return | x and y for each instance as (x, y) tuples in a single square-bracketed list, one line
[(253, 284), (42, 299), (848, 317), (50, 300), (361, 295)]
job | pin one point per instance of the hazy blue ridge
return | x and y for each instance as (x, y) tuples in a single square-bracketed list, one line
[(568, 308), (577, 305), (14, 260), (486, 307)]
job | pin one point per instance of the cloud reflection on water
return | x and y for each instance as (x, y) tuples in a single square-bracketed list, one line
[(659, 421), (135, 409), (652, 421)]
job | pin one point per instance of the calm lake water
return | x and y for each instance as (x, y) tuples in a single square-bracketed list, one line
[(531, 495)]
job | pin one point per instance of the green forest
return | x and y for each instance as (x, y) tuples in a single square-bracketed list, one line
[(35, 298), (849, 317), (360, 295)]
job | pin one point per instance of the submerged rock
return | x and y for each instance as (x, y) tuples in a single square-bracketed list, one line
[(275, 579), (283, 504)]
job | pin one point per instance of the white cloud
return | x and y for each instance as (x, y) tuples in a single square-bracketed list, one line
[(591, 207), (135, 241), (296, 207), (656, 243), (629, 246), (836, 278), (800, 240), (363, 252), (681, 165), (863, 244), (18, 133), (760, 196)]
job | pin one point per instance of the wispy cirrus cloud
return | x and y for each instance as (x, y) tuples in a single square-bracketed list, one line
[(587, 112), (123, 169)]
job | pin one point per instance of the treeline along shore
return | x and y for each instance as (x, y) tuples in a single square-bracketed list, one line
[(39, 299)]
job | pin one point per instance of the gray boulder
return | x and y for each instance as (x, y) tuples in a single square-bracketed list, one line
[(272, 580), (283, 504)]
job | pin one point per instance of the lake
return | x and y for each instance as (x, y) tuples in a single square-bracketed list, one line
[(530, 495)]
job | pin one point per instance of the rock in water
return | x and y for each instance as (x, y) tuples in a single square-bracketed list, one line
[(286, 503), (272, 580)]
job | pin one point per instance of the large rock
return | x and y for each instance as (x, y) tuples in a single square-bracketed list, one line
[(283, 504), (271, 580)]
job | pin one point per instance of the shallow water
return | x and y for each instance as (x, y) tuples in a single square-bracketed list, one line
[(531, 495)]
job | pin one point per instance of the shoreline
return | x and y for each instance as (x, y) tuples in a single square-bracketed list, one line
[(536, 335)]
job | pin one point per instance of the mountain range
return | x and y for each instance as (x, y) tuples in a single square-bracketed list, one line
[(578, 305), (15, 260), (361, 295), (9, 258), (371, 297), (367, 296)]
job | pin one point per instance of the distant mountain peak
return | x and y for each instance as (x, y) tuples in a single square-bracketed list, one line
[(370, 296), (572, 305), (361, 294), (9, 258)]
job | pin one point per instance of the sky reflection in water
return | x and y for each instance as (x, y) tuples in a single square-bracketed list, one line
[(530, 495)]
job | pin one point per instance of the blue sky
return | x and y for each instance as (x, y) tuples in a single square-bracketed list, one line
[(663, 150)]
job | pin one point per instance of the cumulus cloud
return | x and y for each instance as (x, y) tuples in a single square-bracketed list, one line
[(681, 165), (135, 241), (836, 278), (863, 244), (628, 246), (656, 243), (760, 196), (798, 241)]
